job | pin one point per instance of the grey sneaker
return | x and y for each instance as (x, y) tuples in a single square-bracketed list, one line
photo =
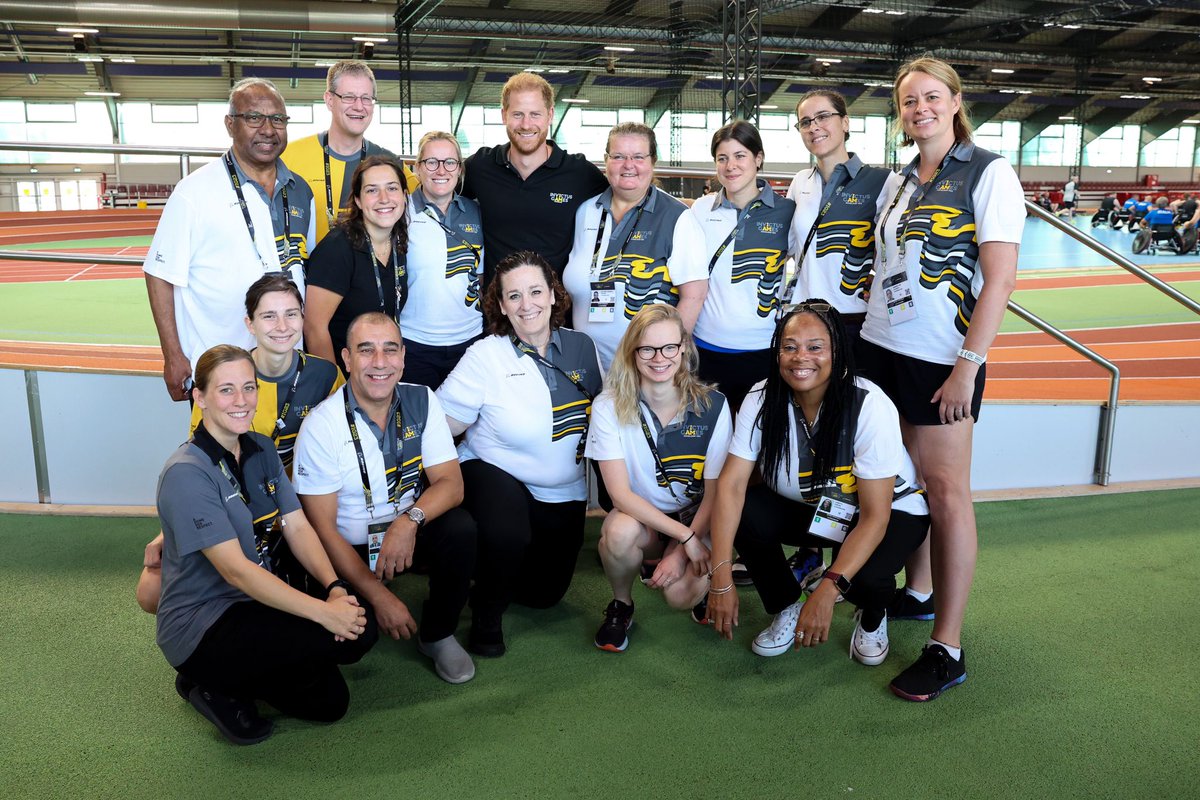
[(450, 660)]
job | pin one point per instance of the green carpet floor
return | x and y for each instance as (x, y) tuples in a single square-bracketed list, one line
[(1082, 684)]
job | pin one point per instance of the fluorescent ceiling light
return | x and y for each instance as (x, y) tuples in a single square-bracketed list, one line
[(873, 11), (88, 58), (768, 108), (103, 94), (1135, 97), (892, 13), (122, 60), (558, 71), (617, 49), (1069, 119), (77, 30), (1149, 79), (1008, 91), (1191, 122), (1072, 27), (535, 69), (830, 60), (1002, 71), (324, 63), (369, 39), (574, 100)]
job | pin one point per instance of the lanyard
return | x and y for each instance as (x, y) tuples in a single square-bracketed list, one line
[(287, 216), (399, 271), (234, 482), (628, 236), (917, 196), (812, 232), (287, 402), (575, 381), (473, 277), (263, 542), (660, 471), (362, 460), (720, 250), (802, 423), (331, 210)]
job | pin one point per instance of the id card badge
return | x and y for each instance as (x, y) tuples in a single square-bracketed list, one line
[(375, 532), (897, 293), (603, 304), (832, 519)]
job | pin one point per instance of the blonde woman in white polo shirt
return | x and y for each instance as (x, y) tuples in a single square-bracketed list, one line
[(522, 397)]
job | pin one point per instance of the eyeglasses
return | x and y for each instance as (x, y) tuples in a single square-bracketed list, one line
[(646, 352), (253, 119), (351, 99), (431, 164), (621, 158), (819, 308), (806, 122)]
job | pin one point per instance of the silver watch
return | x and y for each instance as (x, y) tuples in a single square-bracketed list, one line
[(416, 515)]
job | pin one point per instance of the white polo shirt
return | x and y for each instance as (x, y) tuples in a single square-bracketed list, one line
[(515, 421), (443, 272), (326, 461), (878, 451), (663, 249), (202, 247), (692, 443)]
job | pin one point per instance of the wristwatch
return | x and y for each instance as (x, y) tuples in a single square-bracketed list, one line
[(416, 515), (839, 580)]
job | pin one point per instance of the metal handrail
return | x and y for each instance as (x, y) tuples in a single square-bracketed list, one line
[(1108, 411), (69, 258), (1113, 256), (185, 153)]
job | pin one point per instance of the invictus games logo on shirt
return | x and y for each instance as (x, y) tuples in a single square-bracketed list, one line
[(694, 431), (560, 198), (948, 186), (640, 236), (469, 227), (856, 199), (410, 432), (770, 228), (576, 375)]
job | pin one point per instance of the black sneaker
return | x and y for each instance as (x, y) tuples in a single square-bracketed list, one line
[(486, 639), (930, 675), (613, 635), (741, 574), (905, 606), (700, 612), (237, 720)]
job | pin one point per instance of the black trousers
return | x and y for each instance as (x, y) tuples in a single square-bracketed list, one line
[(255, 652), (429, 364), (769, 521), (446, 552), (527, 548), (734, 373)]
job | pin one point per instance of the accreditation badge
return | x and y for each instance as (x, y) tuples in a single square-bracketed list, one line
[(832, 519), (603, 304), (897, 293), (375, 532)]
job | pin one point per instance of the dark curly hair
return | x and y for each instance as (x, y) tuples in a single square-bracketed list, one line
[(497, 323), (838, 407), (351, 220)]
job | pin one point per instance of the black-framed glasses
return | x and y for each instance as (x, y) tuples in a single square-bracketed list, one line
[(253, 119), (806, 122), (368, 100), (646, 352), (431, 164), (819, 308)]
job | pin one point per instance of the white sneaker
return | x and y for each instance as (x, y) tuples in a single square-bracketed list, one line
[(869, 648), (781, 635)]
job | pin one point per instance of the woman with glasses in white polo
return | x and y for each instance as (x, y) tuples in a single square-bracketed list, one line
[(837, 203), (634, 246), (445, 257)]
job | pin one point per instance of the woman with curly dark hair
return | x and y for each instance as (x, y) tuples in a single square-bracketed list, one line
[(523, 396), (361, 265), (827, 443)]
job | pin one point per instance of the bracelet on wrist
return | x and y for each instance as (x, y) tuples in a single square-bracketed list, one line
[(688, 539), (972, 356), (720, 564), (722, 590), (337, 584)]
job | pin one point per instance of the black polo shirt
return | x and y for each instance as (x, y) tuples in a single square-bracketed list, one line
[(536, 213)]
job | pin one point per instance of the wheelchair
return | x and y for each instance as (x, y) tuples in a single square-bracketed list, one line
[(1117, 218), (1150, 241)]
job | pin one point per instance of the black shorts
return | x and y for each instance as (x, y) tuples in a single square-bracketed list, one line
[(1067, 204), (911, 382)]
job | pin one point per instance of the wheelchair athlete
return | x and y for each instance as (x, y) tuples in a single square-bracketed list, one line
[(1160, 227)]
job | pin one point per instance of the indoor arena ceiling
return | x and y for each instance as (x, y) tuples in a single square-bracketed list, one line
[(1104, 63)]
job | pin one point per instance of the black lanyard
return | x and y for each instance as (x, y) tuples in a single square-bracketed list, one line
[(287, 402), (331, 211), (738, 224), (362, 460), (473, 277), (917, 196), (287, 216), (660, 470), (802, 423), (812, 232), (575, 381), (263, 542), (628, 236), (399, 271)]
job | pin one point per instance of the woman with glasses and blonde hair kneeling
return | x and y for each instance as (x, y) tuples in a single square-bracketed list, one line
[(660, 437), (835, 471)]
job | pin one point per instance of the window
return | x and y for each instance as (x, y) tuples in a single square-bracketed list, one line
[(1173, 149), (172, 113), (49, 112), (1116, 147)]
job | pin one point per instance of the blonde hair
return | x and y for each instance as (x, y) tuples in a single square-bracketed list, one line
[(938, 70), (340, 68), (624, 381), (527, 82), (439, 136)]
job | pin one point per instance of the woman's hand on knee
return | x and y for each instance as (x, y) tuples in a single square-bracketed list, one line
[(344, 618)]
